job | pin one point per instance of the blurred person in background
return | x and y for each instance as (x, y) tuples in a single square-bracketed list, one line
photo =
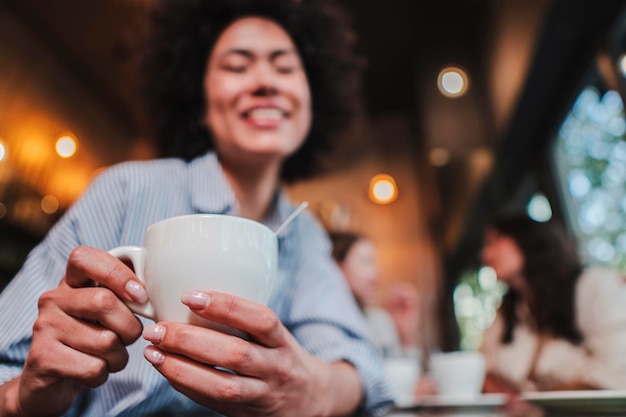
[(401, 299), (357, 256), (561, 325), (244, 94)]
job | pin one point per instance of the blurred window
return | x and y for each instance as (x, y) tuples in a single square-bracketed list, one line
[(590, 157)]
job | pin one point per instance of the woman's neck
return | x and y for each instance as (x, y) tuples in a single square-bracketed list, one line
[(254, 188)]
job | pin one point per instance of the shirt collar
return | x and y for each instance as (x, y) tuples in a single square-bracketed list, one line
[(211, 193)]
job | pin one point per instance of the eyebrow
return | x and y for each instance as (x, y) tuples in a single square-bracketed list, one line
[(249, 54)]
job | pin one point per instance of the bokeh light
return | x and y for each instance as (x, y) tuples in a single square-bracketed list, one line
[(591, 156), (383, 189), (453, 82), (66, 146), (539, 208), (49, 204), (439, 157)]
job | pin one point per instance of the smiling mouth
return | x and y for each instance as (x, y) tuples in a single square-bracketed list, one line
[(265, 114)]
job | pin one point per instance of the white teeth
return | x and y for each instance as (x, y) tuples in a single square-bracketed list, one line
[(265, 113)]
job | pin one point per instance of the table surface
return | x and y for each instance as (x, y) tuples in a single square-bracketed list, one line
[(544, 404)]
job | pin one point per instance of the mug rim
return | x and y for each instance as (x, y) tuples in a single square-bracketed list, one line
[(211, 215)]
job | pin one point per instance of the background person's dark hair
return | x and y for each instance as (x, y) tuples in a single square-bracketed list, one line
[(342, 243), (551, 270), (181, 37)]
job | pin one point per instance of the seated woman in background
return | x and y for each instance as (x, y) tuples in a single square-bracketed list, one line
[(403, 303), (357, 257), (561, 325)]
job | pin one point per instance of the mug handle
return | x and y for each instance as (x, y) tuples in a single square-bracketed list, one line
[(136, 256)]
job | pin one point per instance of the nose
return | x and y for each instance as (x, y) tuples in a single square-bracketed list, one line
[(265, 81)]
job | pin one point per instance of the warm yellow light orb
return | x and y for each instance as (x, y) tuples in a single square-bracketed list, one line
[(452, 82), (383, 189), (66, 146)]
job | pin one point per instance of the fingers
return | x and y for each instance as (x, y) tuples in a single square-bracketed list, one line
[(205, 383), (258, 321), (62, 320), (53, 360), (95, 304), (211, 347), (87, 265)]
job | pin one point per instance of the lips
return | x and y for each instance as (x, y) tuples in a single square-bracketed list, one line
[(265, 117)]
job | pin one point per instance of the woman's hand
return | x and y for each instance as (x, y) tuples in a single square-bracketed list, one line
[(274, 375), (79, 336), (495, 383)]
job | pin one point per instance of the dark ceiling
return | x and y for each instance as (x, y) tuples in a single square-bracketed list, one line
[(95, 38)]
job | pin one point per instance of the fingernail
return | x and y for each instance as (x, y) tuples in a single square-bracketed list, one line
[(136, 291), (196, 299), (154, 333), (153, 355)]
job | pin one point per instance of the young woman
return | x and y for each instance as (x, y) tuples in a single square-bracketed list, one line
[(357, 256), (560, 326), (243, 94)]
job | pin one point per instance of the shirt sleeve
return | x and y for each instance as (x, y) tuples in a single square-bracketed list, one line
[(601, 316), (325, 319), (45, 267), (492, 340)]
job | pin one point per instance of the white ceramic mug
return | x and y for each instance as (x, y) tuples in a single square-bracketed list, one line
[(402, 373), (458, 374), (201, 252)]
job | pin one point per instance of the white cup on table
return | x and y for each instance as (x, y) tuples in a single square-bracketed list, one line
[(458, 375), (402, 372), (201, 252)]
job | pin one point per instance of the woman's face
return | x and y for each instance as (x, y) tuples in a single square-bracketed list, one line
[(502, 253), (257, 94), (360, 268)]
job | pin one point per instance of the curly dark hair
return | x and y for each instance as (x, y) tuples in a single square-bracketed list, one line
[(342, 243), (181, 35), (551, 270)]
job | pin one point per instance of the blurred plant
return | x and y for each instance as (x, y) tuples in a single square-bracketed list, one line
[(476, 299)]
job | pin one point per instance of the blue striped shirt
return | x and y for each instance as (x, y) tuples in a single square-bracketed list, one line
[(311, 297)]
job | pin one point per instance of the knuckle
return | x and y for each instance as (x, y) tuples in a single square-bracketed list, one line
[(241, 354), (183, 336), (103, 300), (45, 300), (230, 391), (40, 326), (120, 362), (75, 259), (133, 332), (118, 271), (229, 306), (95, 374), (268, 323), (283, 372), (108, 340)]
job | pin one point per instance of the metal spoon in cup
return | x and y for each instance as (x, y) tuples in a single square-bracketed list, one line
[(292, 216)]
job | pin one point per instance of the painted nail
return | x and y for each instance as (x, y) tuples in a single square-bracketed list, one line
[(196, 299), (153, 355), (154, 333), (136, 291)]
